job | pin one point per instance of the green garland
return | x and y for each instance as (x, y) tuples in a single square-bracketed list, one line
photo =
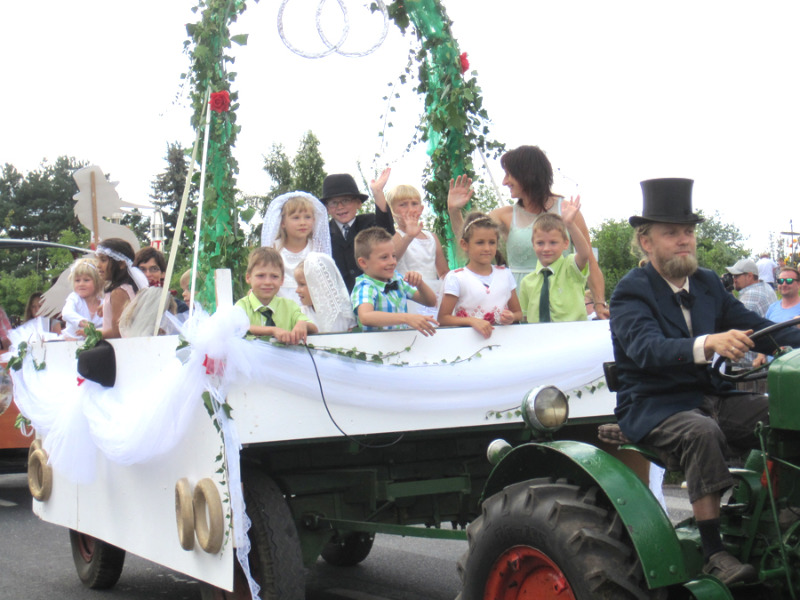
[(222, 242), (455, 124)]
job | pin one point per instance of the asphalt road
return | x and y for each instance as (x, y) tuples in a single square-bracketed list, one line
[(36, 563)]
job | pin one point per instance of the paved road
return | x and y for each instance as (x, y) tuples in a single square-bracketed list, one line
[(36, 563)]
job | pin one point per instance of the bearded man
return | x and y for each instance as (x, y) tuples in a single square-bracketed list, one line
[(668, 319)]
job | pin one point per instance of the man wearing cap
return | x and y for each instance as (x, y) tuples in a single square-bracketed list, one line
[(668, 319), (754, 294), (342, 198)]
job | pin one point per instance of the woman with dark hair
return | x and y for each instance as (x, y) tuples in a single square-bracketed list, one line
[(122, 281), (529, 178)]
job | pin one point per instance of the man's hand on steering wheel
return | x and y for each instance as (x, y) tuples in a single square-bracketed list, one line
[(729, 344)]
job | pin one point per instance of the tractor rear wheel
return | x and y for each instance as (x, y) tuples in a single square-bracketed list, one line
[(549, 539)]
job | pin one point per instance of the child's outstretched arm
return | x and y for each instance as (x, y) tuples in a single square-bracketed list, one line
[(376, 187), (367, 315), (424, 295), (570, 210), (458, 196), (448, 319)]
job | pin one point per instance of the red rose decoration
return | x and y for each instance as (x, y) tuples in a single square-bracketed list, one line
[(220, 101), (464, 63), (489, 316), (462, 313)]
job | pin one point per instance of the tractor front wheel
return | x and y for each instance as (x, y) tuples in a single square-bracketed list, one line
[(549, 539)]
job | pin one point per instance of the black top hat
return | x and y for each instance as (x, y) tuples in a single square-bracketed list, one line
[(341, 184), (99, 364), (667, 200)]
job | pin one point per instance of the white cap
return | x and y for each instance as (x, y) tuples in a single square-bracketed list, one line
[(743, 266)]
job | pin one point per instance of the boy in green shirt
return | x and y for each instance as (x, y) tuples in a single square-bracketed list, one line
[(270, 315), (553, 292)]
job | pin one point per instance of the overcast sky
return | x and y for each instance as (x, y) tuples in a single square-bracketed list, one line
[(614, 92)]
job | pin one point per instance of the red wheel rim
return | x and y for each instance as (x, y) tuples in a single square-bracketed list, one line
[(524, 573), (86, 546)]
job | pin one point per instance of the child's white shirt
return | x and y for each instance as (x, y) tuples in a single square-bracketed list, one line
[(76, 310)]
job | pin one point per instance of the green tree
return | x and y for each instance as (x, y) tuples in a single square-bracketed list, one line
[(37, 206), (168, 188), (308, 168), (613, 242), (719, 245)]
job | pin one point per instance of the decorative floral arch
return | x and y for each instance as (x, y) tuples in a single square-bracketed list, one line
[(454, 125)]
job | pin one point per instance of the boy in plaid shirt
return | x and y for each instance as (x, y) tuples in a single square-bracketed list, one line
[(380, 295)]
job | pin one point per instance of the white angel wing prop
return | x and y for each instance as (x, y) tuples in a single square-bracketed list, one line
[(96, 201), (54, 298)]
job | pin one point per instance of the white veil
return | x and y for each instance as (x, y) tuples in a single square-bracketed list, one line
[(270, 231), (334, 313)]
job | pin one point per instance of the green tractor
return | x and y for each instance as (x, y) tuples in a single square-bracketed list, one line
[(566, 520)]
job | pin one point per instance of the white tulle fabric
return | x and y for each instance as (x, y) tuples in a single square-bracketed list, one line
[(333, 312), (320, 238)]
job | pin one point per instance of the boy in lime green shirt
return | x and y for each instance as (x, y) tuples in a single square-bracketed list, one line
[(270, 315), (558, 279)]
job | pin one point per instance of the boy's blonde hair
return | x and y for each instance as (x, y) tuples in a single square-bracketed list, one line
[(186, 279), (369, 238), (550, 222), (291, 206), (86, 267), (402, 192), (264, 256)]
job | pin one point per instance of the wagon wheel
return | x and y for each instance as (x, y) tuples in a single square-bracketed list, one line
[(549, 539), (349, 549), (99, 564), (275, 558)]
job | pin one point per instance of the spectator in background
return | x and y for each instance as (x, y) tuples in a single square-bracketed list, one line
[(33, 306), (788, 307), (766, 269), (5, 327), (754, 294), (151, 262)]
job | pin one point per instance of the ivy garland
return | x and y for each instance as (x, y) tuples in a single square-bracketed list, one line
[(222, 242), (455, 124)]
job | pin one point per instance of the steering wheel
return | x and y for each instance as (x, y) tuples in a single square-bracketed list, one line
[(758, 372)]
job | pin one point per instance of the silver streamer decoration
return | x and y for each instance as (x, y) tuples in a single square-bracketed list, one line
[(334, 47)]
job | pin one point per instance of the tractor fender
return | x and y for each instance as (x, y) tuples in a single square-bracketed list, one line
[(649, 527)]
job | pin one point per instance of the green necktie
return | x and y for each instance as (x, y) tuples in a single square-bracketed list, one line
[(267, 312), (544, 297)]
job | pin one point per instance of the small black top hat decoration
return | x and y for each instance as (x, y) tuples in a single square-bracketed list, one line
[(99, 364), (667, 200), (341, 184)]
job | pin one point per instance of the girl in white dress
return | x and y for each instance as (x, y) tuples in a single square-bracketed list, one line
[(323, 295), (296, 223), (83, 304), (417, 249), (481, 294)]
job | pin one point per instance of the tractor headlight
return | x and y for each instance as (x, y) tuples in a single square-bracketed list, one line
[(545, 409)]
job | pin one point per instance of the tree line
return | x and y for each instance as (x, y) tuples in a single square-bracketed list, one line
[(39, 206)]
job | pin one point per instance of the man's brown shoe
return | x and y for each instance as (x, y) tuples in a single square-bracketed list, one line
[(727, 568)]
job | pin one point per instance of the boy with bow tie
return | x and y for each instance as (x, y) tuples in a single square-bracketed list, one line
[(270, 315), (380, 295)]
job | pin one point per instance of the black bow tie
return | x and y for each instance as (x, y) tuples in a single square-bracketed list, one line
[(392, 285), (684, 299)]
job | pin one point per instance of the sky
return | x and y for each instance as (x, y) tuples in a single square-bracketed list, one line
[(615, 92)]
